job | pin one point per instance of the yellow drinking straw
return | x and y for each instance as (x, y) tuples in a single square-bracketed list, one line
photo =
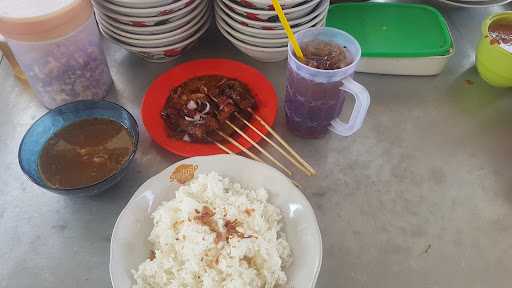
[(288, 30)]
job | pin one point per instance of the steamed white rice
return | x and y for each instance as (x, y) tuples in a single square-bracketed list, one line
[(188, 253)]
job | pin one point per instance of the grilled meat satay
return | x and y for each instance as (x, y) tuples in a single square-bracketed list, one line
[(238, 92), (192, 114)]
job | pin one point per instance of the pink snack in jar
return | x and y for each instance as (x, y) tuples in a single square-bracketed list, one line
[(58, 46)]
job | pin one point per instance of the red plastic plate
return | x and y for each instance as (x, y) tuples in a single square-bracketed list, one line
[(157, 94)]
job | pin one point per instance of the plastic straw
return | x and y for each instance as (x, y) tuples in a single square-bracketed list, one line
[(288, 30)]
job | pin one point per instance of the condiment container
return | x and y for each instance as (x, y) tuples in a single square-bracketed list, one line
[(396, 38), (494, 61), (58, 46)]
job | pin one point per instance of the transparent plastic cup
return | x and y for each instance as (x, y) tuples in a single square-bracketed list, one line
[(315, 98)]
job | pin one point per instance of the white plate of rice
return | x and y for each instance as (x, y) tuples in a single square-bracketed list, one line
[(237, 223)]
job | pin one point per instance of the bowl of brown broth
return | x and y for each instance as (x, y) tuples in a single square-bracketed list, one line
[(80, 148)]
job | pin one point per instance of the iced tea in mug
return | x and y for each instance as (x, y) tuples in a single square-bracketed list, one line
[(316, 88)]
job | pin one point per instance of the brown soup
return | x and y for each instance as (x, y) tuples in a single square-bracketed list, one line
[(84, 153), (325, 55), (500, 32)]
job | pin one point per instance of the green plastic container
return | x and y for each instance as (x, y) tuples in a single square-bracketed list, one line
[(414, 38)]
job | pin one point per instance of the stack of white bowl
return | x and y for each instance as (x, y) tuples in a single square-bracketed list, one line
[(253, 26), (157, 30)]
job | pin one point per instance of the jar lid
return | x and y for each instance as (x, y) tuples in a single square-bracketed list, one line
[(42, 20)]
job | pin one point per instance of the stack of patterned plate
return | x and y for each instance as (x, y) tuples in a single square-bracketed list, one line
[(157, 30), (475, 3), (254, 28)]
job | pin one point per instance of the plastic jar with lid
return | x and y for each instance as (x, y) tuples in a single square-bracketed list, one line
[(58, 46)]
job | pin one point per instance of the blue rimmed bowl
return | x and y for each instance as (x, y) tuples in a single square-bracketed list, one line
[(45, 127)]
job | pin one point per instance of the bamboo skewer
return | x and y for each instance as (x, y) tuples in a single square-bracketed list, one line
[(296, 184), (259, 148), (297, 164), (224, 148), (290, 149), (305, 167), (239, 146)]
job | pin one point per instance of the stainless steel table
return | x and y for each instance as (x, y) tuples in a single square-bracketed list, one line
[(420, 197)]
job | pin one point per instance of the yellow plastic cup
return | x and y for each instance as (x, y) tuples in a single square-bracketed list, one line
[(492, 61)]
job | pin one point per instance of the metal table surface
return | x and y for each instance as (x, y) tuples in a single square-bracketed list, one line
[(420, 197)]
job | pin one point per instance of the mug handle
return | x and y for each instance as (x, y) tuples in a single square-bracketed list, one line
[(362, 102)]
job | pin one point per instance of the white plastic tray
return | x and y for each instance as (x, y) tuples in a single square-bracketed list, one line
[(420, 66)]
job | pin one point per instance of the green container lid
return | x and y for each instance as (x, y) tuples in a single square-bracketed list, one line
[(393, 29)]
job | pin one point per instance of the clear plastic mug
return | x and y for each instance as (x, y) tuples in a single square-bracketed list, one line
[(314, 98)]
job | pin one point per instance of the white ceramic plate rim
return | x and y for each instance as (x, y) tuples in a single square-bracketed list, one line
[(482, 1), (196, 36), (293, 191), (472, 4), (282, 2), (149, 38), (302, 6), (112, 13), (248, 46), (184, 32), (176, 23), (323, 7), (225, 17), (146, 10), (243, 37), (149, 4)]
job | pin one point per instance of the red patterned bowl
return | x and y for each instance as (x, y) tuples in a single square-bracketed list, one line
[(147, 12), (159, 29), (173, 38), (268, 34), (194, 23), (296, 12), (267, 4), (163, 54), (258, 24), (169, 17), (138, 4)]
